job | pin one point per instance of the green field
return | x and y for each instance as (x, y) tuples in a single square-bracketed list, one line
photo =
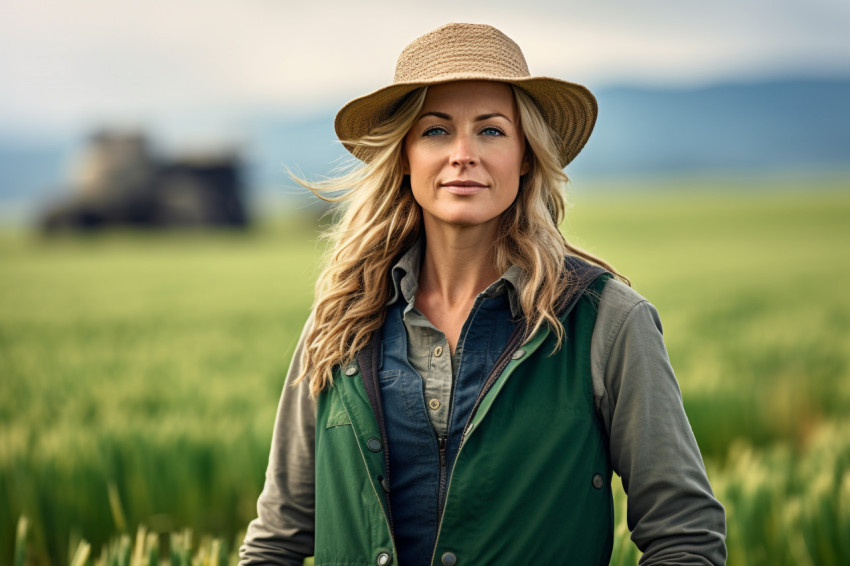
[(139, 373)]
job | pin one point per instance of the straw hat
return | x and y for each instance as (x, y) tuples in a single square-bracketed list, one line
[(456, 52)]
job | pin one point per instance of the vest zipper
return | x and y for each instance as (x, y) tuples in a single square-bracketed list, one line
[(441, 494)]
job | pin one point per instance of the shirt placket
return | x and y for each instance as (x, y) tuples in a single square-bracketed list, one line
[(430, 356)]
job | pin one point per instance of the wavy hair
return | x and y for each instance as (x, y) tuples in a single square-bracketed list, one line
[(380, 220)]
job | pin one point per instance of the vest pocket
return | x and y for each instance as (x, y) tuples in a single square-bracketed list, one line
[(338, 419), (337, 416)]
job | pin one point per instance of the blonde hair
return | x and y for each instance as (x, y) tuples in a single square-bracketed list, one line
[(380, 220)]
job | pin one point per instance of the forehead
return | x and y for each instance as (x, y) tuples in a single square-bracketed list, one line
[(471, 96)]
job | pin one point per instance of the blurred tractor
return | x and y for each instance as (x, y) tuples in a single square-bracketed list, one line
[(119, 182)]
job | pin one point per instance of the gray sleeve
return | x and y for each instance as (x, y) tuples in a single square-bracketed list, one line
[(672, 513), (283, 531)]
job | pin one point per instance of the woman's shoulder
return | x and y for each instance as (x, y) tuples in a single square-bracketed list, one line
[(622, 310)]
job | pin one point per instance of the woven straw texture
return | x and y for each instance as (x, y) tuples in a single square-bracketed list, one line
[(472, 52)]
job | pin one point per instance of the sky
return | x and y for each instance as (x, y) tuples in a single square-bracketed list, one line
[(69, 63)]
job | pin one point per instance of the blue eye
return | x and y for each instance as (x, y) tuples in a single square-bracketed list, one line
[(492, 131), (435, 131)]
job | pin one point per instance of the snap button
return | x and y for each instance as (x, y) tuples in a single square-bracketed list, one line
[(597, 481), (384, 558), (434, 404), (351, 370), (374, 444), (449, 559), (518, 354), (438, 351)]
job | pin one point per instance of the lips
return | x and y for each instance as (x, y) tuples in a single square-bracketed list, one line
[(462, 187)]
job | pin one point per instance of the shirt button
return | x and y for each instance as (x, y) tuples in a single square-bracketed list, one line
[(597, 481), (449, 559), (351, 370), (383, 559), (518, 354), (434, 404), (373, 444), (438, 351)]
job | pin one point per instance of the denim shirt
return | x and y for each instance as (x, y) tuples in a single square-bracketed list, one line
[(428, 396)]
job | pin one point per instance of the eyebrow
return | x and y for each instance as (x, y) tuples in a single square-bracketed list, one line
[(481, 118)]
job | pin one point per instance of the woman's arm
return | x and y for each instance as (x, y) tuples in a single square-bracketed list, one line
[(672, 513), (283, 531)]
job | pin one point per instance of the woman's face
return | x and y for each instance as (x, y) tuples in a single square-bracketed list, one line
[(465, 153)]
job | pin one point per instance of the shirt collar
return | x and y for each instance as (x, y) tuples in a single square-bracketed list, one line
[(404, 276)]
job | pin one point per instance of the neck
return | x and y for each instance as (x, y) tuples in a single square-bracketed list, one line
[(459, 264)]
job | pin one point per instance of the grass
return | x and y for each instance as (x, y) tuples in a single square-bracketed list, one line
[(140, 372), (752, 293), (148, 363), (144, 550)]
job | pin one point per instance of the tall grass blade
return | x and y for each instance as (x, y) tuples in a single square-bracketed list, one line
[(82, 554), (116, 507), (21, 541)]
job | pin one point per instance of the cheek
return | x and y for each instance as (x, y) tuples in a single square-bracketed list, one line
[(421, 167), (511, 169), (416, 183)]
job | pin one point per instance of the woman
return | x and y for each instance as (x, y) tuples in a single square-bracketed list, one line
[(468, 381)]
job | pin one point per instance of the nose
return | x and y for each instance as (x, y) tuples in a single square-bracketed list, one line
[(463, 151)]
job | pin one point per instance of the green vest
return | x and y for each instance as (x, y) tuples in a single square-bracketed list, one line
[(531, 483)]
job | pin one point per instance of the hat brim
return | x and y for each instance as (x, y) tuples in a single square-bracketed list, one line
[(569, 108)]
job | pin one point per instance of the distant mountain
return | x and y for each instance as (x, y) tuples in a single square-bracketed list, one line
[(779, 126), (788, 125)]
